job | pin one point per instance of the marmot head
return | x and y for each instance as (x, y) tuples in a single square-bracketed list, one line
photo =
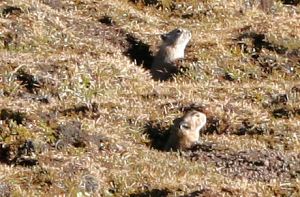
[(173, 44), (177, 37), (189, 128)]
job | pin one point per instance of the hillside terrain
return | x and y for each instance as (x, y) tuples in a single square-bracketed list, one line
[(81, 115)]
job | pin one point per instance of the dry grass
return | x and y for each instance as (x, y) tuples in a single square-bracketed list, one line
[(60, 67)]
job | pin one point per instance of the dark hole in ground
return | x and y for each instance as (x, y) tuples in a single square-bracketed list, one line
[(4, 153), (281, 113), (43, 99), (146, 2), (152, 193), (252, 43), (83, 109), (27, 162), (229, 76), (107, 20), (139, 52), (291, 2), (26, 148), (166, 71), (297, 111), (202, 193), (9, 10), (158, 135), (30, 82), (187, 16), (259, 42), (249, 128), (22, 155), (132, 47), (7, 114), (158, 4)]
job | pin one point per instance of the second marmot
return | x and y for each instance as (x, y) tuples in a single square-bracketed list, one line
[(185, 131), (171, 49)]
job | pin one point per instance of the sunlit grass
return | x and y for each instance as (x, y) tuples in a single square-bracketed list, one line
[(79, 61)]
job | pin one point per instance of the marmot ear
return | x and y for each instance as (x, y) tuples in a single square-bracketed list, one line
[(163, 37)]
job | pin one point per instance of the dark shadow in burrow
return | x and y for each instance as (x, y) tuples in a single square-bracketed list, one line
[(138, 52), (158, 135)]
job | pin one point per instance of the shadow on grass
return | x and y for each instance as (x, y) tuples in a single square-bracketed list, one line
[(152, 193), (107, 20), (170, 5), (22, 155), (268, 63), (259, 42), (166, 71), (4, 154), (201, 193), (135, 49), (158, 135), (30, 82), (8, 114), (146, 2), (10, 10), (165, 192), (291, 2), (139, 52)]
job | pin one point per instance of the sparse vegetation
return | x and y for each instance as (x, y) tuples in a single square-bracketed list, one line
[(81, 114)]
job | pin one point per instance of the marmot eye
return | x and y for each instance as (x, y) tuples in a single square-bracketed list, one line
[(184, 126), (178, 31), (197, 115)]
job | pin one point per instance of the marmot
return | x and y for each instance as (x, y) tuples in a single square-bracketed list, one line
[(185, 131), (171, 49)]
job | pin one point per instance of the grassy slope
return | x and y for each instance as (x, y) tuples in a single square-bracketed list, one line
[(79, 61)]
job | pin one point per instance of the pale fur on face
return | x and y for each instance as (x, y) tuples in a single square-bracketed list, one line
[(186, 131), (189, 128), (174, 44)]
